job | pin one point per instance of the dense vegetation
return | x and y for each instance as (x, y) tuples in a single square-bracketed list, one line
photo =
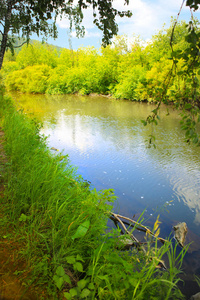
[(66, 247), (166, 70), (130, 72), (21, 18), (63, 223), (62, 219)]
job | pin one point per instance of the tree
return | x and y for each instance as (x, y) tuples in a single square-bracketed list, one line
[(190, 56), (23, 17)]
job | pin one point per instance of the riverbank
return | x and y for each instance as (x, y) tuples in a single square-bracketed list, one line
[(62, 221), (12, 264)]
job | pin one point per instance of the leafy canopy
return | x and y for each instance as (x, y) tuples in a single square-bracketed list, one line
[(24, 17)]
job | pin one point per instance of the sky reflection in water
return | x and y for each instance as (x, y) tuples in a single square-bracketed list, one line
[(105, 139)]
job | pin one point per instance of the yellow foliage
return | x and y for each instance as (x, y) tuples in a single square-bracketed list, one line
[(156, 229), (32, 79)]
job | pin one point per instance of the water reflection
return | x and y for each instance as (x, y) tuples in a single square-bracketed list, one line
[(105, 139)]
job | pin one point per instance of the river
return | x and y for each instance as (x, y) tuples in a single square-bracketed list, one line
[(107, 142)]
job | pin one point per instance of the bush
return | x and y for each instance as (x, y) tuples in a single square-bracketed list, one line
[(37, 54), (127, 88), (29, 80)]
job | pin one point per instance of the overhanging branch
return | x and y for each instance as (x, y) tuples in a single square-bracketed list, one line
[(25, 42)]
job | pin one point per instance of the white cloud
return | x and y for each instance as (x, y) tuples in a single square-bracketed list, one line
[(148, 18), (63, 23)]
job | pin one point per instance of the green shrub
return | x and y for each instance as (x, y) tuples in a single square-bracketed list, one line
[(127, 88), (29, 80), (37, 54)]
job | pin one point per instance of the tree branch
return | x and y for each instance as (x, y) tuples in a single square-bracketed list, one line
[(130, 234), (1, 23), (143, 228), (21, 44), (172, 34), (117, 217)]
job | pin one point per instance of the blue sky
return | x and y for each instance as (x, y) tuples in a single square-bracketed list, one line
[(148, 18)]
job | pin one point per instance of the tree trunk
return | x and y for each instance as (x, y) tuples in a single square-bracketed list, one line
[(5, 31)]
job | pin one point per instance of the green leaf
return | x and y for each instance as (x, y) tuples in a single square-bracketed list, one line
[(89, 271), (155, 111), (85, 293), (81, 230), (67, 296), (71, 260), (78, 266), (78, 257), (82, 283), (155, 122), (91, 286), (67, 279), (60, 271), (23, 218), (144, 122), (58, 281), (73, 292)]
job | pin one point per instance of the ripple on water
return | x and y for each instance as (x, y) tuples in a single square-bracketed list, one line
[(104, 137)]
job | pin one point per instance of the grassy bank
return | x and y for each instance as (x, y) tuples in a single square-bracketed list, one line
[(63, 226)]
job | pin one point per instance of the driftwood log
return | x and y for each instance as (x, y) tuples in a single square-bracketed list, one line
[(131, 223), (126, 223)]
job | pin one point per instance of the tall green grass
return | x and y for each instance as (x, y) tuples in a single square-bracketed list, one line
[(63, 223)]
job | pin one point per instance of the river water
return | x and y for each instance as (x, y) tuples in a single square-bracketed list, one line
[(106, 140)]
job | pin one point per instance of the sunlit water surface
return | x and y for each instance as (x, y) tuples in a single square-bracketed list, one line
[(106, 140)]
